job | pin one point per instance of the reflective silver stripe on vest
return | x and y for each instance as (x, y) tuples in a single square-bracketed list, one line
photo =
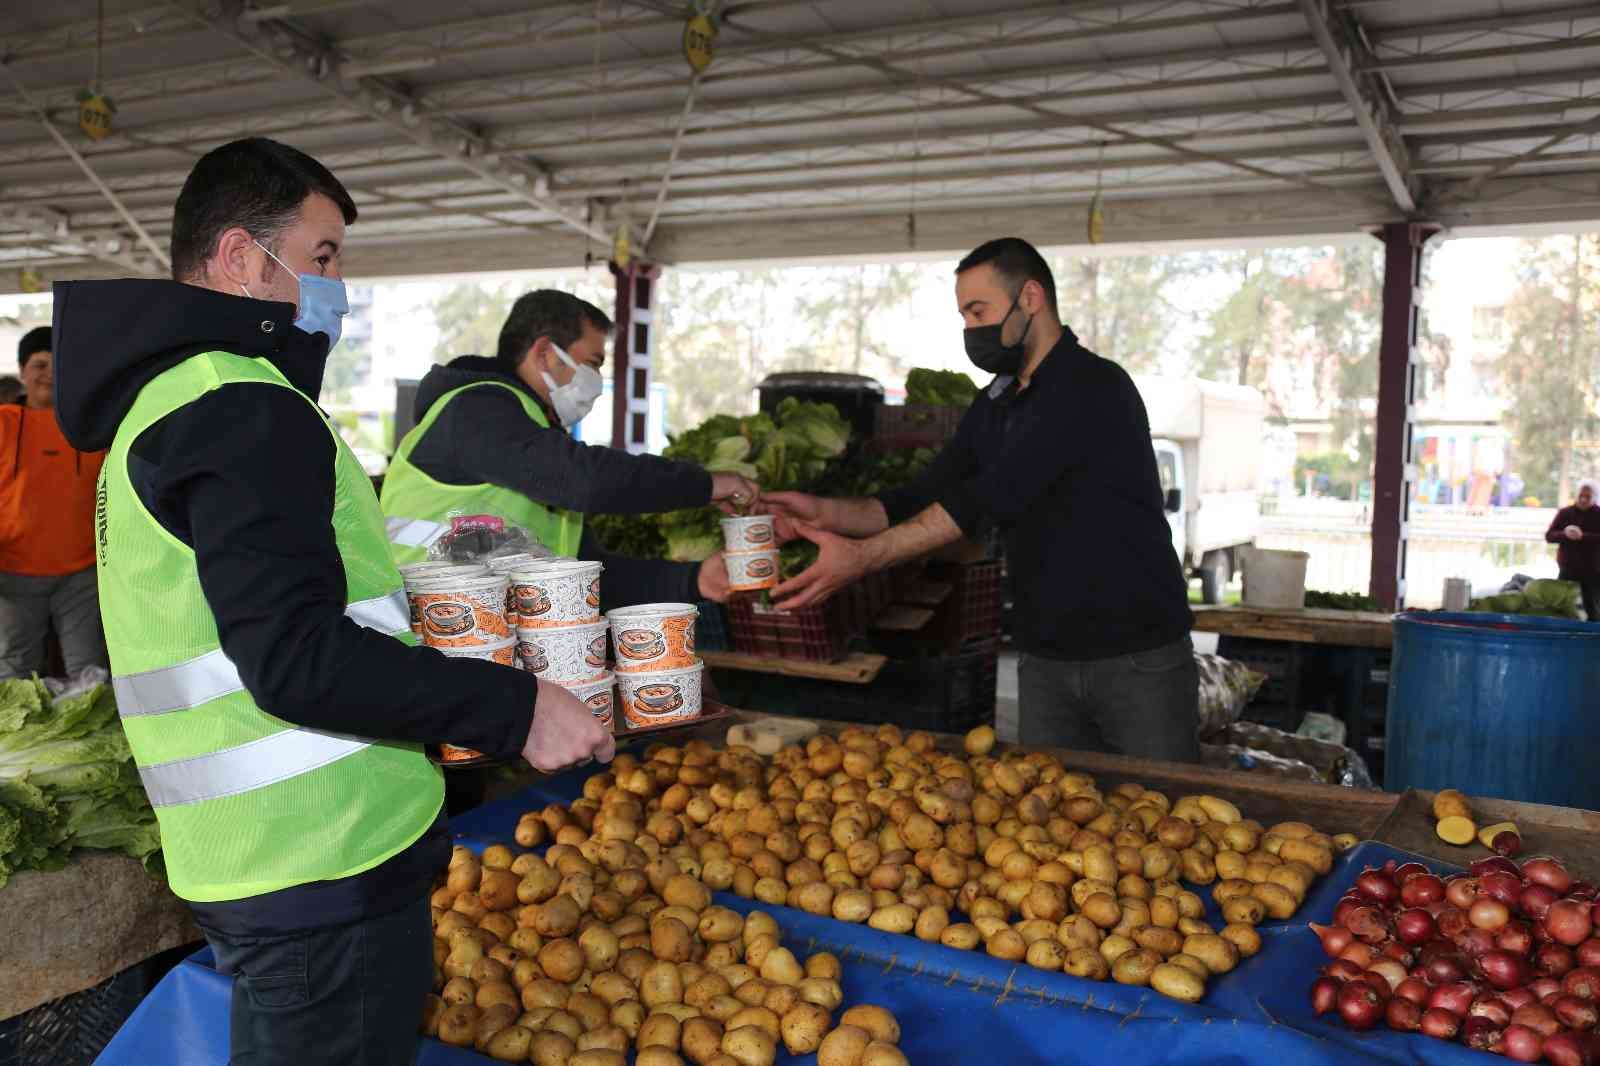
[(213, 675), (414, 532), (244, 768)]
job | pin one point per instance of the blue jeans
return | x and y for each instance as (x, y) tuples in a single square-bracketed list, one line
[(1146, 704), (346, 995)]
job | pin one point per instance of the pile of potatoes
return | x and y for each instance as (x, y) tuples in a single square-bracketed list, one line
[(577, 956), (882, 828)]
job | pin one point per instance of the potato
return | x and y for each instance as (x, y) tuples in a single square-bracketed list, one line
[(598, 1057), (852, 905), (1164, 912), (604, 1037), (1190, 963), (961, 935), (458, 1024), (896, 918), (878, 1053), (1197, 867), (843, 1047), (561, 960), (1218, 954), (1046, 955), (657, 1056), (494, 993), (1102, 909), (1244, 938), (781, 967), (459, 990), (824, 992), (1220, 810), (755, 1015), (1278, 901), (979, 741), (1163, 941), (750, 1046), (661, 983), (1177, 983), (1135, 967), (549, 1048), (1448, 802), (1115, 946), (701, 1039), (803, 1027), (684, 891), (628, 1015), (1006, 944), (557, 917), (1086, 962), (600, 948), (660, 1030), (590, 1010), (670, 941), (1314, 855), (1231, 865)]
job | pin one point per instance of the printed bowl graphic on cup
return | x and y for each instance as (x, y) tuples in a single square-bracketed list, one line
[(761, 568), (651, 637), (661, 696), (748, 571), (597, 696), (559, 592), (592, 597), (567, 654), (750, 533), (448, 619), (531, 600), (503, 652)]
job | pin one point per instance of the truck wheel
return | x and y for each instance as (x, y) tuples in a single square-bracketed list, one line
[(1216, 570)]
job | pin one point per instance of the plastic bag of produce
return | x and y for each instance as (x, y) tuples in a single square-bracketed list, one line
[(1225, 688), (1252, 760), (1335, 764)]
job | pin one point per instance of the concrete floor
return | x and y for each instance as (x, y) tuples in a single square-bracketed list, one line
[(1005, 703)]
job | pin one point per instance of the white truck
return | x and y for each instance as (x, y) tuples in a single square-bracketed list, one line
[(1207, 438)]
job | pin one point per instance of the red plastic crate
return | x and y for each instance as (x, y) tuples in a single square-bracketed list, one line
[(820, 633), (911, 426), (973, 611)]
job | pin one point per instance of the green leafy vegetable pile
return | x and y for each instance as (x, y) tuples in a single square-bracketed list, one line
[(1544, 597), (67, 780), (795, 448), (939, 388), (1340, 601)]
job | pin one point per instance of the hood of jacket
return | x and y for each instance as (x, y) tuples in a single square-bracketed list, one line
[(468, 370), (113, 337)]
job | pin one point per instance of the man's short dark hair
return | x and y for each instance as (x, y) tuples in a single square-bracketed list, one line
[(1017, 262), (545, 313), (33, 342), (255, 183)]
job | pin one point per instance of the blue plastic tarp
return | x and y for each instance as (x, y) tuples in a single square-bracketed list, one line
[(954, 1006)]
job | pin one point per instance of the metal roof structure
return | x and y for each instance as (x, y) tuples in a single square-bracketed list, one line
[(498, 134)]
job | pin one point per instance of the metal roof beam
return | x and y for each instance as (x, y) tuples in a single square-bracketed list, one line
[(1395, 61), (53, 229), (1340, 40), (1486, 24)]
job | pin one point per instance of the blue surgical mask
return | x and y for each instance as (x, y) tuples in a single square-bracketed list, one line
[(323, 303)]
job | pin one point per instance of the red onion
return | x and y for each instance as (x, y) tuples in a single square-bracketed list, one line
[(1521, 1043), (1379, 983), (1440, 1024), (1492, 1007), (1475, 942), (1517, 938), (1342, 909), (1452, 921), (1403, 1015), (1568, 922), (1490, 914), (1359, 1005), (1586, 890), (1516, 998), (1368, 923), (1495, 864), (1506, 843), (1421, 890), (1358, 953), (1483, 1034), (1342, 970), (1545, 988), (1455, 997), (1549, 872), (1538, 1017), (1407, 870), (1584, 982), (1553, 960), (1504, 970), (1461, 891), (1535, 901), (1398, 952), (1446, 969), (1390, 970), (1413, 988), (1501, 886), (1377, 887), (1588, 952), (1415, 926), (1575, 1013), (1569, 1049), (1325, 994), (1335, 938)]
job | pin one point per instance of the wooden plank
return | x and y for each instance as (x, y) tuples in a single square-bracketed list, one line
[(1350, 629), (857, 668), (1570, 834)]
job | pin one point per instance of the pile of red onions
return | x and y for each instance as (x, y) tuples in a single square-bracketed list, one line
[(1505, 958)]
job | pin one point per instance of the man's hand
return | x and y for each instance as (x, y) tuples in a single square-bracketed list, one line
[(712, 580), (788, 509), (564, 732), (839, 562), (1573, 533), (733, 493)]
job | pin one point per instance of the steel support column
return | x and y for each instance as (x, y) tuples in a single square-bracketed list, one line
[(1393, 474), (632, 351)]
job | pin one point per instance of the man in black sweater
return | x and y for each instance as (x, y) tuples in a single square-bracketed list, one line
[(1056, 453)]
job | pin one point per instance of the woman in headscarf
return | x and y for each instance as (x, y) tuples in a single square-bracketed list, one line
[(1577, 530)]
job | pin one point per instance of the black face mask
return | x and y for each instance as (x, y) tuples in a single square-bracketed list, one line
[(986, 350)]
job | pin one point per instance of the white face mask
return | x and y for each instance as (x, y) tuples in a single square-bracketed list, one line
[(576, 398)]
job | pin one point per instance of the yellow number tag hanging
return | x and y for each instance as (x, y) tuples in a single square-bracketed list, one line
[(699, 42), (28, 280), (94, 115), (622, 248), (1097, 221)]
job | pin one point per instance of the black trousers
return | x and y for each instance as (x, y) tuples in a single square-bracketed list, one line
[(346, 995)]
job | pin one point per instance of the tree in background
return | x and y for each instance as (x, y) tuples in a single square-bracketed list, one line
[(846, 311), (1121, 307), (717, 335), (1551, 365)]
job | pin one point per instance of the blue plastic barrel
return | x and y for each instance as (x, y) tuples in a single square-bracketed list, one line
[(1495, 705)]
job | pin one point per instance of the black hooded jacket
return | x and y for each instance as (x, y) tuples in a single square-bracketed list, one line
[(484, 436), (245, 477)]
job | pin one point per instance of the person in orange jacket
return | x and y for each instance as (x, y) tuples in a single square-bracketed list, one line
[(47, 506)]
